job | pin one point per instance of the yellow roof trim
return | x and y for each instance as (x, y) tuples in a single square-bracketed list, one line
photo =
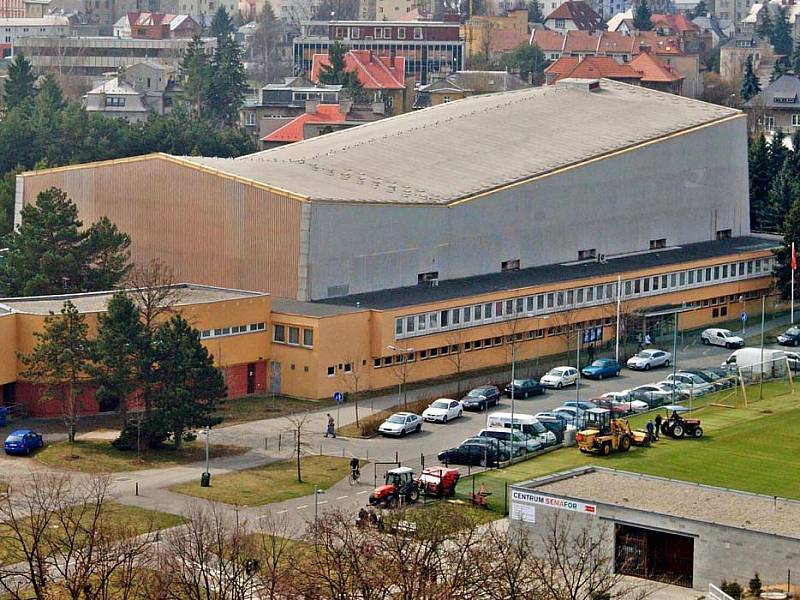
[(595, 159)]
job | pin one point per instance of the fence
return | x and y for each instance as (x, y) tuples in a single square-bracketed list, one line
[(714, 593)]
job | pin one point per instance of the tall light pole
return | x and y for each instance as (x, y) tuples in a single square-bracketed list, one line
[(763, 306), (616, 337), (401, 387), (674, 354)]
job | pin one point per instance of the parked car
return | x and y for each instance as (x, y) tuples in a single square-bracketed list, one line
[(559, 377), (400, 424), (790, 337), (793, 359), (481, 398), (443, 410), (616, 408), (694, 383), (582, 404), (710, 377), (682, 391), (649, 359), (527, 424), (548, 415), (23, 441), (601, 369), (475, 451), (721, 337), (622, 401), (524, 388), (519, 443), (650, 394), (573, 416)]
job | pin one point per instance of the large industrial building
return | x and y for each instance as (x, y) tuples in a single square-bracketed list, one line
[(421, 245)]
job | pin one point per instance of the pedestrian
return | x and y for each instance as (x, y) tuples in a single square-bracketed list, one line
[(331, 430), (650, 433), (591, 353), (658, 425)]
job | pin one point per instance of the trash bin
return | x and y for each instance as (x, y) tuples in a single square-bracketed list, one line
[(205, 479), (3, 415)]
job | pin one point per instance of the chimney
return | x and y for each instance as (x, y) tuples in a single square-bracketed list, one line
[(391, 58), (370, 56), (311, 106)]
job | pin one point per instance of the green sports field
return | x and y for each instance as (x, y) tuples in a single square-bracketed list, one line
[(753, 448)]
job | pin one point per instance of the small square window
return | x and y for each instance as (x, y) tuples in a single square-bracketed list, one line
[(331, 371), (294, 335), (308, 337)]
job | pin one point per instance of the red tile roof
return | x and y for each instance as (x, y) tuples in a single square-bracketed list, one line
[(580, 13), (676, 23), (591, 67), (654, 70), (505, 40), (374, 72), (548, 41), (582, 42), (293, 130), (660, 44), (604, 42)]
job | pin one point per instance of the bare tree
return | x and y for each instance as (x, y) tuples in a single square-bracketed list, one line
[(456, 355), (299, 427), (268, 48), (273, 549), (401, 367), (353, 381)]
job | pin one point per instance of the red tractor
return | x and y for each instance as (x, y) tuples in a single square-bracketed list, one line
[(438, 481), (399, 486)]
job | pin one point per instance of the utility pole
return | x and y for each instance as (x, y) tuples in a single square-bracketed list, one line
[(619, 296), (674, 354), (763, 305)]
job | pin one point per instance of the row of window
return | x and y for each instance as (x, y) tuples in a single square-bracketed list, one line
[(556, 301), (294, 336), (379, 33), (234, 330), (115, 101)]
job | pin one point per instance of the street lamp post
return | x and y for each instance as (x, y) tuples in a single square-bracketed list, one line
[(674, 354), (761, 386), (207, 432)]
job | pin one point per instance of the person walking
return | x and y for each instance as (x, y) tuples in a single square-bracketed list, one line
[(331, 430), (650, 433), (658, 425)]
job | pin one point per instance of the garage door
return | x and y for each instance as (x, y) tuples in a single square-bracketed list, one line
[(655, 555)]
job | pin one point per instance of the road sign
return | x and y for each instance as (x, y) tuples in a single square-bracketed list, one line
[(338, 397), (744, 317)]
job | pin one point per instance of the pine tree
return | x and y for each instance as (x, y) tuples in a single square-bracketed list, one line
[(189, 388), (116, 352), (106, 255), (777, 153), (764, 28), (791, 233), (794, 59), (750, 85), (793, 156), (19, 83), (195, 73), (535, 14), (783, 193), (759, 169), (781, 35), (336, 72), (700, 10), (779, 70), (221, 24), (228, 81), (60, 359), (641, 17)]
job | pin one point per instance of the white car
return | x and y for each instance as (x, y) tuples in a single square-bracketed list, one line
[(682, 391), (443, 410), (794, 360), (721, 337), (649, 359), (624, 400), (400, 424), (694, 383), (650, 394), (559, 377)]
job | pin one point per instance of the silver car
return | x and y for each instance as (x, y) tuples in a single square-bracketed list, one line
[(649, 359), (400, 424)]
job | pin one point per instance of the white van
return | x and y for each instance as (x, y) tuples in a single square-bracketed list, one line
[(527, 424), (752, 357)]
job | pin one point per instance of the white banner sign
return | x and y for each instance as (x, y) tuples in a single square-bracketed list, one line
[(530, 498), (523, 512)]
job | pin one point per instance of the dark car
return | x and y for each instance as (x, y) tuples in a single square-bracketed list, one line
[(484, 453), (481, 398), (601, 368), (23, 441), (709, 376), (524, 388), (790, 337)]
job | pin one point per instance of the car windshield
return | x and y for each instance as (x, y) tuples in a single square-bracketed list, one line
[(556, 372), (476, 393), (518, 382), (793, 331), (599, 363), (726, 333), (499, 435), (644, 355), (14, 438), (396, 419), (539, 428), (439, 404)]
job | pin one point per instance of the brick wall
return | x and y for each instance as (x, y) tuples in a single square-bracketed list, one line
[(32, 397), (236, 379)]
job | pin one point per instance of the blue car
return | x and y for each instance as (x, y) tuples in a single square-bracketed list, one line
[(23, 441), (601, 368)]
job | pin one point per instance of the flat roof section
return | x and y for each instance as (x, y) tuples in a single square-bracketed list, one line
[(682, 499), (310, 309), (449, 289), (457, 150), (96, 301)]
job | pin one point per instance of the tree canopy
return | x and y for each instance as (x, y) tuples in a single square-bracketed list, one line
[(528, 60), (750, 86), (641, 17), (336, 72), (18, 87)]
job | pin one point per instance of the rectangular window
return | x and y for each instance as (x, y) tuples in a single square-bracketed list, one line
[(716, 273), (410, 323), (487, 310), (699, 275), (690, 277), (226, 331), (559, 299), (682, 278), (550, 300), (598, 290), (355, 33), (294, 335), (498, 309), (655, 283), (476, 312), (417, 33), (741, 268), (401, 33), (308, 337), (510, 265), (733, 270), (663, 282), (708, 274), (205, 333), (673, 280), (540, 302), (509, 307), (610, 291), (589, 254), (659, 243), (250, 118), (723, 312), (570, 297), (443, 318), (279, 333), (434, 352), (796, 120), (398, 326), (387, 361), (433, 320), (646, 284), (637, 286), (579, 296), (348, 367), (724, 234), (421, 323), (456, 315), (332, 371), (467, 314), (427, 278), (628, 289), (758, 266), (529, 304), (519, 305)]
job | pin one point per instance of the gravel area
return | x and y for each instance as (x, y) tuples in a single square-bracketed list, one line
[(681, 499)]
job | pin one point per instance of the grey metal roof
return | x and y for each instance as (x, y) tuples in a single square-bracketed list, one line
[(786, 88), (310, 309), (481, 82), (449, 289), (456, 150)]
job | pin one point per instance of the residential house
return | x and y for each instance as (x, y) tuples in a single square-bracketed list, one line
[(463, 84), (574, 15), (493, 36), (622, 22), (430, 49), (711, 33), (656, 74), (591, 67), (681, 28), (777, 106), (318, 119), (135, 93), (155, 26), (14, 29), (382, 78), (623, 48), (734, 53), (279, 103)]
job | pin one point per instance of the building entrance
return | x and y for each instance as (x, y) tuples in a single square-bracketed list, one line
[(656, 555)]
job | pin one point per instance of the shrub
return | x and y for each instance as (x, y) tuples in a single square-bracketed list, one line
[(755, 586), (733, 589)]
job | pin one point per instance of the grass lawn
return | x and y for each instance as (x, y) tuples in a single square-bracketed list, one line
[(254, 408), (95, 456), (127, 520), (272, 483), (753, 449)]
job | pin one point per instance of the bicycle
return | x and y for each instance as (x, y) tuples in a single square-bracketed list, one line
[(355, 475)]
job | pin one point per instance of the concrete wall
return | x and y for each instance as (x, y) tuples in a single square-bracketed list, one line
[(682, 188), (719, 552)]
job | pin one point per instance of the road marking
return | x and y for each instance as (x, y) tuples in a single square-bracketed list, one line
[(341, 497), (302, 506), (363, 492), (706, 352), (322, 502)]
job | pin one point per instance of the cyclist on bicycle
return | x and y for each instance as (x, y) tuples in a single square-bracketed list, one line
[(355, 470)]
